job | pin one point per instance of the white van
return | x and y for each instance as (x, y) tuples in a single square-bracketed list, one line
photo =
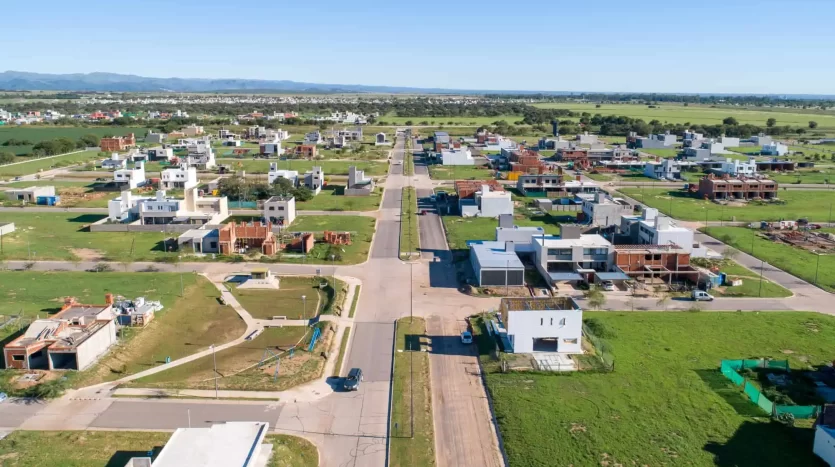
[(701, 296)]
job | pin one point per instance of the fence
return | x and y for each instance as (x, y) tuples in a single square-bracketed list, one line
[(243, 205), (729, 370)]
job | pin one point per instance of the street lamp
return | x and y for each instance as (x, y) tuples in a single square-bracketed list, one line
[(304, 306), (333, 274), (762, 266), (817, 265)]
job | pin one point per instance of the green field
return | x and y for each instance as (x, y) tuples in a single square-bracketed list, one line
[(751, 286), (46, 163), (823, 176), (666, 403), (411, 378), (749, 150), (664, 153), (329, 167), (285, 301), (462, 229), (63, 236), (811, 204), (704, 115), (361, 228), (237, 366), (460, 172), (116, 448), (438, 121), (331, 198), (796, 261), (36, 134)]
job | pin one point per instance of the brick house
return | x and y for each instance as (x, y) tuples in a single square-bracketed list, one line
[(117, 143), (725, 187), (234, 237)]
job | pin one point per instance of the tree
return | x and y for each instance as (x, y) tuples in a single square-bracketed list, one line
[(302, 194), (595, 297), (6, 157), (771, 122), (663, 301), (731, 253), (813, 124), (283, 187), (90, 140), (730, 121)]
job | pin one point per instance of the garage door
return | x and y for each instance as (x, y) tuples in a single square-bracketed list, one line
[(497, 277)]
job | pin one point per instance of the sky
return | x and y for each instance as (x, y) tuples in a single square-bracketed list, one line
[(729, 46)]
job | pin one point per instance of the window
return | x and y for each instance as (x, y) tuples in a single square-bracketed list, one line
[(559, 251), (213, 245), (562, 321), (647, 257), (552, 321), (595, 251), (541, 321), (570, 341), (18, 358), (281, 208), (272, 208)]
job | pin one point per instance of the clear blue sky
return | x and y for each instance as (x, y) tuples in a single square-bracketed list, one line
[(763, 46)]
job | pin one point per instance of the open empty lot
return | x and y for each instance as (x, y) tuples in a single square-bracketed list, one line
[(329, 167), (666, 403)]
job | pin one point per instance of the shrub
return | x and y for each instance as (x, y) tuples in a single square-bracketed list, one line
[(599, 328)]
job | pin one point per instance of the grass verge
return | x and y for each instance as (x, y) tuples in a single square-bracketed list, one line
[(355, 301), (666, 403), (411, 398), (409, 236), (342, 346)]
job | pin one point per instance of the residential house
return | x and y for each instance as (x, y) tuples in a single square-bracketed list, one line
[(314, 179), (692, 139), (735, 167), (707, 148), (667, 169), (255, 132), (239, 238), (135, 313), (497, 262), (553, 185), (652, 229), (774, 149), (314, 138), (115, 162), (441, 137), (380, 140), (224, 134), (128, 179), (729, 142), (553, 144), (239, 444), (280, 210), (544, 324), (200, 240), (161, 210), (192, 130), (306, 150), (604, 210), (117, 143), (44, 195), (358, 183), (457, 156), (279, 134), (824, 445), (761, 140), (271, 148), (200, 153), (486, 203), (572, 256), (669, 262), (160, 154), (276, 173), (712, 188), (659, 141), (179, 178), (156, 138), (71, 339), (586, 138)]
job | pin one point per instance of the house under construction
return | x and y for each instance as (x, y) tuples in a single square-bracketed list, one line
[(238, 238)]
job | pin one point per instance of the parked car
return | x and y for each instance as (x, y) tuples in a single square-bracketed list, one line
[(608, 285), (466, 337), (17, 179), (433, 198), (3, 397), (353, 380), (701, 296)]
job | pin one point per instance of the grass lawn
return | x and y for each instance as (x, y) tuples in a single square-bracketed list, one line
[(331, 198), (460, 172), (460, 229), (116, 448), (38, 165), (64, 236), (804, 176), (342, 346), (37, 134), (665, 153), (237, 366), (392, 119), (407, 448), (355, 301), (747, 150), (750, 284), (361, 228), (330, 167), (666, 403), (812, 204), (286, 301), (409, 235), (796, 261)]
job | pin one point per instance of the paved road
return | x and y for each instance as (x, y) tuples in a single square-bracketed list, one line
[(433, 242)]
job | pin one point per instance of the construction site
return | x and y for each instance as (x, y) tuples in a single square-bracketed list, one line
[(806, 239)]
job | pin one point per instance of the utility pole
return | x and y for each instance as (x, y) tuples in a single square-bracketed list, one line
[(214, 362), (304, 305), (411, 282), (333, 276), (189, 417), (762, 266)]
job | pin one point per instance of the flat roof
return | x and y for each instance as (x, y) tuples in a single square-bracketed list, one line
[(584, 240), (611, 276), (77, 311), (199, 233), (227, 444), (565, 276), (538, 303), (493, 255)]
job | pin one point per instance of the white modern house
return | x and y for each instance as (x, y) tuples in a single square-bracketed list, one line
[(572, 256), (653, 229), (824, 445), (549, 324), (487, 203), (280, 210), (496, 263), (774, 149), (130, 178), (156, 138), (729, 142), (161, 209), (665, 169), (457, 156), (314, 179), (179, 178), (737, 167), (271, 148), (276, 173), (114, 162), (239, 444), (200, 153)]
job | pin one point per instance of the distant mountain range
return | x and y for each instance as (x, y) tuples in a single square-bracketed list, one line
[(113, 82)]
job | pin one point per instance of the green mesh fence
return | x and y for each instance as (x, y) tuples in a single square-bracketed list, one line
[(752, 392), (732, 375), (766, 404), (799, 411)]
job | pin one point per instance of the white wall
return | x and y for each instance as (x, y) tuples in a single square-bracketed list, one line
[(494, 206), (96, 345), (824, 446), (526, 325)]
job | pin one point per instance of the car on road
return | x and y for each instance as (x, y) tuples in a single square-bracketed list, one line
[(466, 337), (608, 285), (353, 380), (17, 179), (3, 397), (701, 296), (433, 198)]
